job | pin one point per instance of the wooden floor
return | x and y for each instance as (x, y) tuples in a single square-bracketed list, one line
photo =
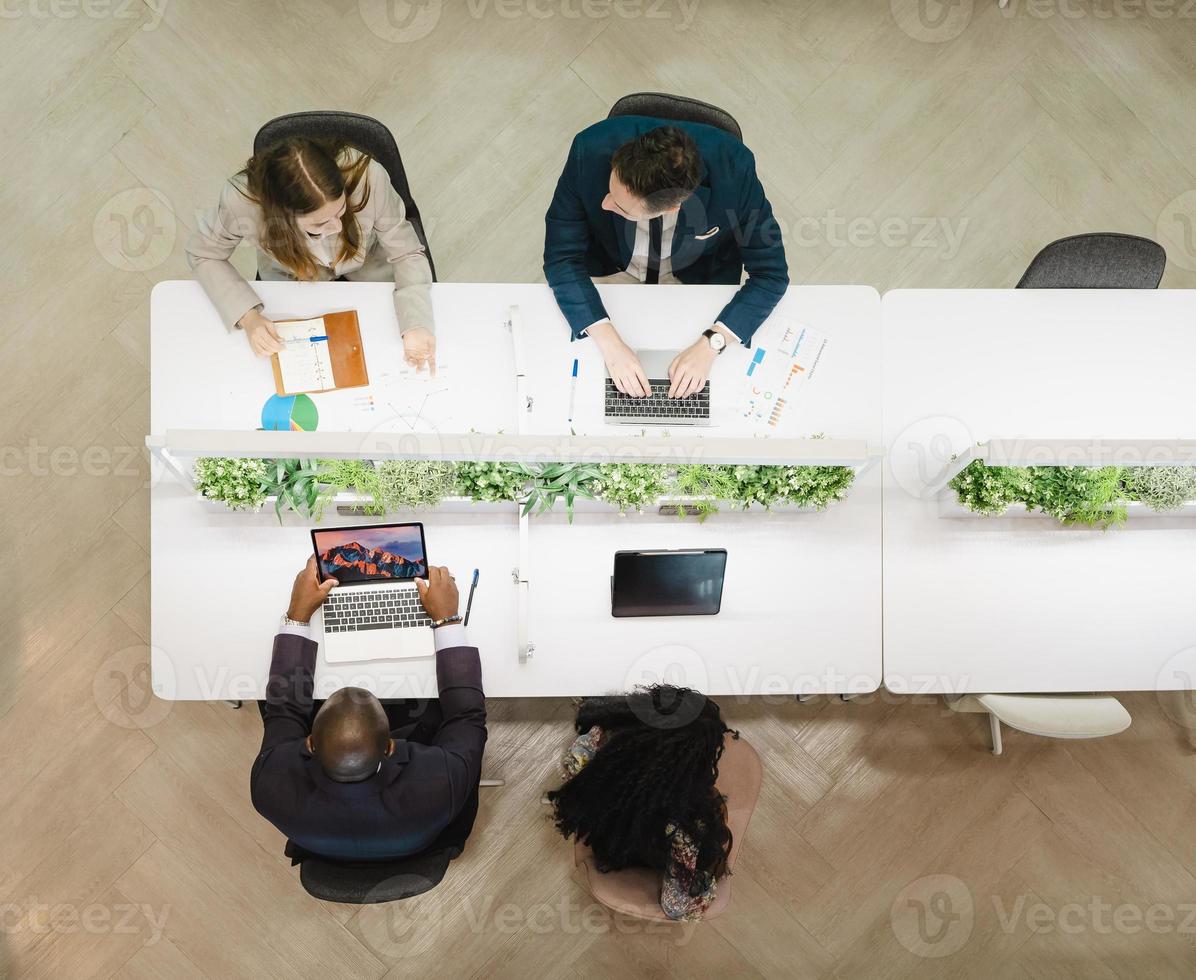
[(899, 149)]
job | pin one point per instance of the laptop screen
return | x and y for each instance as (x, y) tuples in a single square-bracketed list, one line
[(371, 553)]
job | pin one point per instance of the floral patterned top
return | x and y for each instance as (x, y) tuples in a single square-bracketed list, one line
[(682, 874)]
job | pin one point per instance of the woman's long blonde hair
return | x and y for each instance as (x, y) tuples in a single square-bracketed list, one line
[(297, 176)]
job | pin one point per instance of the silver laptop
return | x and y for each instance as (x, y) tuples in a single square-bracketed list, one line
[(375, 612), (658, 408)]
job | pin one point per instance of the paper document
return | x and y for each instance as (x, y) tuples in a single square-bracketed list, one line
[(785, 357), (305, 362)]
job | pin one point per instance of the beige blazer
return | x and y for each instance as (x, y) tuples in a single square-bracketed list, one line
[(390, 249)]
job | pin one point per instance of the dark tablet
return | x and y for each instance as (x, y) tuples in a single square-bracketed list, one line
[(668, 583)]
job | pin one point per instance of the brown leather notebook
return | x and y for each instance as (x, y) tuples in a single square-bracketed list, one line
[(304, 369)]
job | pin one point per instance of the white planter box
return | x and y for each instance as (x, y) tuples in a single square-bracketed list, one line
[(467, 505), (950, 507)]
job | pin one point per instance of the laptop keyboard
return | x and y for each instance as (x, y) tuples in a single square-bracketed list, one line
[(350, 609), (658, 405)]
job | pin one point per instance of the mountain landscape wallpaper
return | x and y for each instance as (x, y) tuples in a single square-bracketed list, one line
[(370, 554)]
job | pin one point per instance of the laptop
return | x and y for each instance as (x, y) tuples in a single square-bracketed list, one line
[(658, 408), (375, 612), (668, 583)]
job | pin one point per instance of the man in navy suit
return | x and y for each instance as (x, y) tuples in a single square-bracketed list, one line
[(645, 200), (354, 782)]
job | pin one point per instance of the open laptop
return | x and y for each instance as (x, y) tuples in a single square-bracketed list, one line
[(375, 612), (658, 408)]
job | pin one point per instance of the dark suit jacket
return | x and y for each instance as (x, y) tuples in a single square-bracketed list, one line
[(400, 810), (583, 240)]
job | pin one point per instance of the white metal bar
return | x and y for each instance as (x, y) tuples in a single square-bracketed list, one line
[(953, 469), (515, 447), (523, 584), (523, 402), (158, 450)]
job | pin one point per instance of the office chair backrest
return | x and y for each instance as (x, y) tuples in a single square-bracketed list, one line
[(658, 105), (1102, 260), (363, 132), (371, 884)]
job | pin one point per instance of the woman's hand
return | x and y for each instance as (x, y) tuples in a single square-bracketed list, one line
[(419, 348), (260, 333)]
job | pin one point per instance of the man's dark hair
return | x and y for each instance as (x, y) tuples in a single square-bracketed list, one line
[(350, 735), (660, 166)]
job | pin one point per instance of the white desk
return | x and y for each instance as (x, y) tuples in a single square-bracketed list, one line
[(1024, 604), (812, 577)]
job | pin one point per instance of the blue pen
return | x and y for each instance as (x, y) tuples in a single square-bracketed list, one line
[(316, 340), (469, 604), (573, 390)]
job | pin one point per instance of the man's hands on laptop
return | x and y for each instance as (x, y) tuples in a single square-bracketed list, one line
[(438, 593), (625, 369), (308, 593), (690, 369)]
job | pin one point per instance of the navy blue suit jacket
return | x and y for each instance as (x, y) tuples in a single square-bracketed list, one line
[(583, 240), (403, 807)]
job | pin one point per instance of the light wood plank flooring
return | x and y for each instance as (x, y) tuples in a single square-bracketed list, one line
[(903, 144)]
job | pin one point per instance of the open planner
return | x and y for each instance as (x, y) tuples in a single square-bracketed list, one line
[(321, 353)]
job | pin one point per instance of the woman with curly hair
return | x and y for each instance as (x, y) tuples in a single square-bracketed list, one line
[(640, 791), (314, 210)]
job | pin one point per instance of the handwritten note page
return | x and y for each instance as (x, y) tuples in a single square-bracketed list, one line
[(305, 362)]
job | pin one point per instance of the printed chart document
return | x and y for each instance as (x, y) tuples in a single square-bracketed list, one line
[(306, 361), (784, 360)]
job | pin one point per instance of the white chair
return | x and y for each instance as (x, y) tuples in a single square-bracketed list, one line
[(1050, 715)]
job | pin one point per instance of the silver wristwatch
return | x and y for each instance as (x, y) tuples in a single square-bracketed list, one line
[(715, 339)]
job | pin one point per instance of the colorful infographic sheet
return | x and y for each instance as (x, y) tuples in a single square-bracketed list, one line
[(785, 358)]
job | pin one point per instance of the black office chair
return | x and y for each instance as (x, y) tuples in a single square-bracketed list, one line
[(1102, 260), (363, 132), (658, 105), (370, 884)]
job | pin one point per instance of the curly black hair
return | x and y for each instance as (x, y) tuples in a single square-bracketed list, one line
[(657, 765)]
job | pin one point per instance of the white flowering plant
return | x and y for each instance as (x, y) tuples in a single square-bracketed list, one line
[(240, 484)]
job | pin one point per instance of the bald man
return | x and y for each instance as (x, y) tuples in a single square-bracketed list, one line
[(361, 781)]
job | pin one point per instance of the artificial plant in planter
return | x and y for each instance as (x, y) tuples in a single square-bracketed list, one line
[(1091, 496)]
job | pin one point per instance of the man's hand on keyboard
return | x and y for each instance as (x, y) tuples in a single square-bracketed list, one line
[(690, 369), (438, 593), (308, 593), (625, 369)]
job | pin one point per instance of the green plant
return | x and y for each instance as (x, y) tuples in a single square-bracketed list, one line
[(492, 481), (802, 486), (405, 483), (238, 483), (1079, 494), (1161, 488), (631, 485), (709, 483), (550, 482), (298, 485), (990, 490)]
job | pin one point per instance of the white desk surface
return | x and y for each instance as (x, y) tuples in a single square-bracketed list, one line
[(801, 607), (1020, 604)]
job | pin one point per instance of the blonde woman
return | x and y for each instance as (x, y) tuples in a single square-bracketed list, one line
[(314, 210)]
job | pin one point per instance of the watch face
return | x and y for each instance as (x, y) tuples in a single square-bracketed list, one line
[(718, 341)]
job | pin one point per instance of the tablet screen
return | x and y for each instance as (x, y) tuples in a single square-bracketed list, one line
[(668, 583)]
